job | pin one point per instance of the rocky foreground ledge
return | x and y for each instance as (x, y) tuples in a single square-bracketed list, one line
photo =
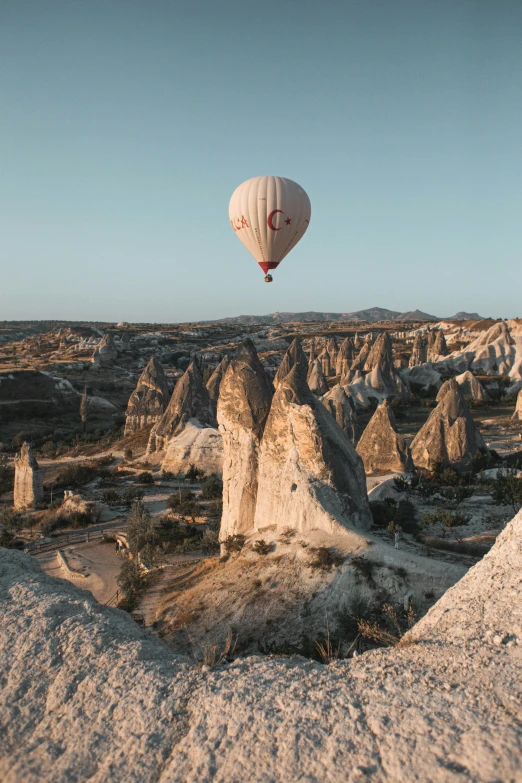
[(86, 695)]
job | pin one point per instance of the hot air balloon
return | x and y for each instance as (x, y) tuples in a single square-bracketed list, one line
[(269, 215)]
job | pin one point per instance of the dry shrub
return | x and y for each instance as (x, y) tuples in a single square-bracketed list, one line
[(210, 655)]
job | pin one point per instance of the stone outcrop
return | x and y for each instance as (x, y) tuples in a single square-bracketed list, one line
[(333, 349), (382, 375), (326, 362), (472, 387), (298, 716), (28, 487), (360, 360), (419, 354), (243, 408), (518, 410), (316, 380), (381, 447), (345, 357), (187, 431), (342, 408), (310, 476), (214, 382), (149, 400), (294, 355), (450, 436), (437, 346), (107, 349)]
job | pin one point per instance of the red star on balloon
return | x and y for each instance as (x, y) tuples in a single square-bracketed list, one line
[(288, 221)]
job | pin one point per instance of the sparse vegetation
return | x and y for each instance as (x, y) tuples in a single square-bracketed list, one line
[(234, 543), (262, 547), (324, 558), (212, 488)]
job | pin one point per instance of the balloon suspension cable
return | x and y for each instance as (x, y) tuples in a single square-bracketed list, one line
[(268, 279)]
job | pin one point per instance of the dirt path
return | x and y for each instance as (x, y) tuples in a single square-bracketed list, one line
[(98, 560)]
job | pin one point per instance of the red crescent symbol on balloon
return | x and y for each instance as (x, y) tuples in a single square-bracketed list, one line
[(270, 218)]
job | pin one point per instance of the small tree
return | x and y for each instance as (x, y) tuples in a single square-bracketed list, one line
[(140, 528), (212, 488), (507, 489), (130, 580)]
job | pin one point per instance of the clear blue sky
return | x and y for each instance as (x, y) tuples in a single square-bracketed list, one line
[(125, 126)]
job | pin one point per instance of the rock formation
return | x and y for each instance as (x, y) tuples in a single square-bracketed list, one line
[(518, 410), (326, 362), (333, 349), (311, 352), (471, 387), (382, 375), (214, 382), (298, 716), (419, 354), (28, 487), (342, 408), (107, 349), (437, 346), (316, 379), (359, 361), (345, 357), (310, 476), (243, 408), (187, 431), (293, 355), (381, 447), (450, 435), (149, 399)]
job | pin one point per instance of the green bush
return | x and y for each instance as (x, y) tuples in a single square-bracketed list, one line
[(6, 478), (132, 495), (131, 581), (262, 547), (234, 543), (76, 474), (112, 498), (323, 558), (194, 473), (212, 488), (210, 542), (145, 478), (140, 528)]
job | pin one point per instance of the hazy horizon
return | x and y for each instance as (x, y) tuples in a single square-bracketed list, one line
[(127, 126)]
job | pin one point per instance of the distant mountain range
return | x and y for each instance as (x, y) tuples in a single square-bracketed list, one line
[(372, 315)]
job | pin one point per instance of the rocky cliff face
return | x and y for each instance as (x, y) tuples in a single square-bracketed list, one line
[(214, 382), (316, 380), (243, 408), (28, 487), (342, 408), (450, 435), (310, 477), (149, 400), (294, 355), (381, 447), (419, 354)]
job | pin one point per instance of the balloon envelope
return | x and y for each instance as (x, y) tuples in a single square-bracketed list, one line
[(269, 215)]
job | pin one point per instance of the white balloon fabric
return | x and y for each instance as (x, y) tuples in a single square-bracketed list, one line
[(269, 216)]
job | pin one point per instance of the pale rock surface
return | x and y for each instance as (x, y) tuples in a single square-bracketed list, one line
[(316, 380), (333, 349), (107, 349), (28, 487), (449, 436), (342, 408), (345, 357), (149, 399), (471, 387), (214, 382), (518, 410), (358, 363), (294, 355), (112, 704), (243, 408), (190, 400), (419, 354), (197, 445), (498, 351), (310, 476), (381, 447), (381, 374)]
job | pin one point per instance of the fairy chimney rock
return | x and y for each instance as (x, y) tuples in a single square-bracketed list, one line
[(190, 400), (472, 387), (419, 354), (243, 407), (345, 357), (310, 476), (316, 379), (381, 447), (294, 355), (381, 372), (28, 487), (149, 399), (214, 382), (342, 408), (450, 435)]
